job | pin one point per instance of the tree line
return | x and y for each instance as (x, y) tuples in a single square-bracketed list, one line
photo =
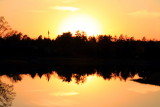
[(79, 45)]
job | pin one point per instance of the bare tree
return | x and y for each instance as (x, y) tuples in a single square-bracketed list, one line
[(4, 26), (7, 94)]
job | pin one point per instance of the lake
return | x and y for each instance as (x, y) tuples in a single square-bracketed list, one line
[(65, 89)]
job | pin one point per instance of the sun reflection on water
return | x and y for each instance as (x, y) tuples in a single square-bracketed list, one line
[(93, 91)]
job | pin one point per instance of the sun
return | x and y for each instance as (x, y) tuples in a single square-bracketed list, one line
[(80, 22)]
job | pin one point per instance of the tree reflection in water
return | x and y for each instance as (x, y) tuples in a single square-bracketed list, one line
[(7, 94), (80, 72)]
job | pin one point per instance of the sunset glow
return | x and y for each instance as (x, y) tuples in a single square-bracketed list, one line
[(102, 92), (79, 53), (82, 23), (129, 17)]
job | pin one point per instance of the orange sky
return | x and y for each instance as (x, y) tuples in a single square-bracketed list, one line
[(136, 18)]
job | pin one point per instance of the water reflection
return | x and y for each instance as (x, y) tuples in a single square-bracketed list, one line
[(7, 94), (80, 74), (94, 92), (77, 86), (148, 74)]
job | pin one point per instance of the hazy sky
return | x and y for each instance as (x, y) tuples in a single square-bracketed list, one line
[(136, 18)]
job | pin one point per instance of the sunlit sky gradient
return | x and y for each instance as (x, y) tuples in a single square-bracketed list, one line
[(136, 18)]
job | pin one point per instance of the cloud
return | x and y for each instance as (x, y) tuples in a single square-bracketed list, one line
[(144, 89), (64, 8), (145, 13), (65, 94)]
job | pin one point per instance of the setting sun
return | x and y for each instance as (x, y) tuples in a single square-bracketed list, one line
[(133, 18), (79, 53), (80, 22)]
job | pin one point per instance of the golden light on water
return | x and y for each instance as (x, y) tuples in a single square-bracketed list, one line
[(94, 92), (90, 78), (80, 22)]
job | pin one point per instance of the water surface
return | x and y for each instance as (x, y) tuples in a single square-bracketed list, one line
[(52, 90)]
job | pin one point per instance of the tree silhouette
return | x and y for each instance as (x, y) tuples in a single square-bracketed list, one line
[(16, 46), (4, 27), (7, 94)]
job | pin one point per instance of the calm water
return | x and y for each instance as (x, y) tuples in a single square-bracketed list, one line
[(89, 91)]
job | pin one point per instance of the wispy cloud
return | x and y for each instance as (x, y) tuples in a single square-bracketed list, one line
[(65, 8), (145, 13), (65, 93), (144, 89)]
